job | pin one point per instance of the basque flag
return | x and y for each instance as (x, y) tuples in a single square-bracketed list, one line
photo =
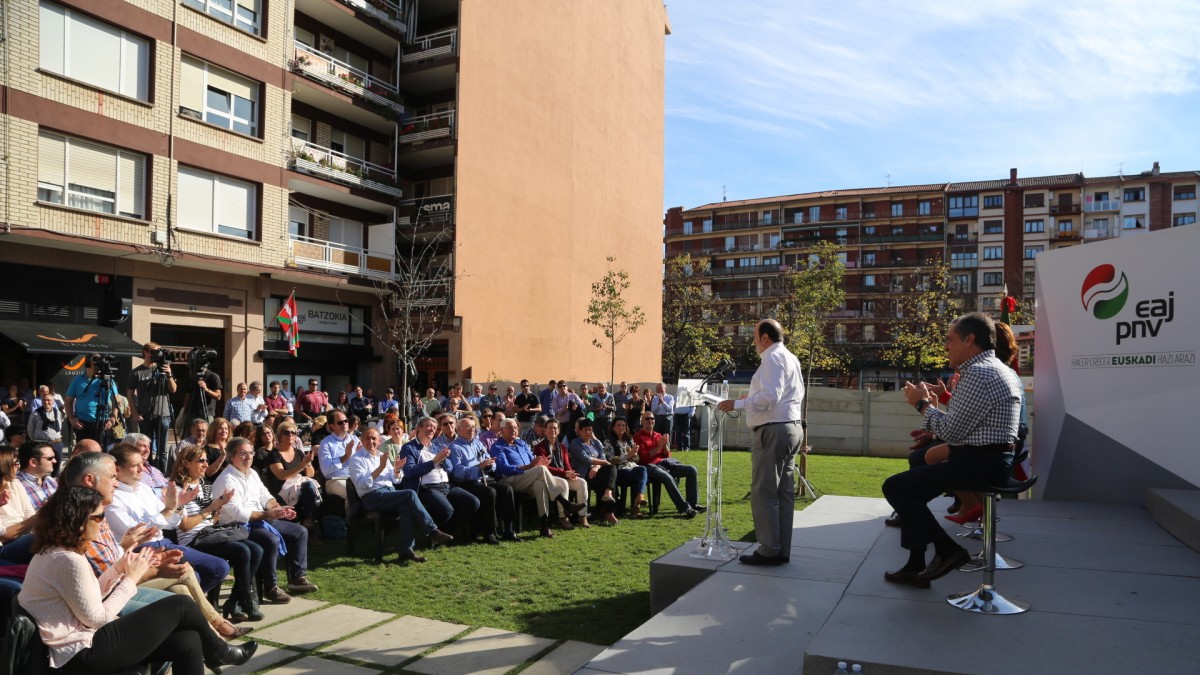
[(288, 321)]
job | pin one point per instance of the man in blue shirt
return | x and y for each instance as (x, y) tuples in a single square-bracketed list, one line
[(475, 471), (88, 395), (518, 468)]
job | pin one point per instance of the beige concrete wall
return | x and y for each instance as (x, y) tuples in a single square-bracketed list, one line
[(560, 164)]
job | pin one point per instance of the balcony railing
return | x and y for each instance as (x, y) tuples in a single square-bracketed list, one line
[(1110, 205), (749, 269), (899, 238), (754, 293), (332, 256), (342, 76), (1064, 209), (342, 168), (1102, 232), (427, 127), (431, 46), (1065, 235), (388, 13), (718, 227)]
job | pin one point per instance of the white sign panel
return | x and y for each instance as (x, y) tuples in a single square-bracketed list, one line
[(315, 317)]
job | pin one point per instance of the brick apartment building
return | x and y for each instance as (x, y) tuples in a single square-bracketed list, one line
[(989, 232), (176, 168)]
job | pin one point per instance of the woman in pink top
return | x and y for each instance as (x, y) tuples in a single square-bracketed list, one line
[(76, 613)]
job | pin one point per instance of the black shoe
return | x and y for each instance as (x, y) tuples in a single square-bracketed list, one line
[(907, 578), (689, 514), (700, 508), (572, 509), (939, 567), (757, 558), (411, 556), (231, 655), (511, 536), (893, 522), (491, 539), (233, 614)]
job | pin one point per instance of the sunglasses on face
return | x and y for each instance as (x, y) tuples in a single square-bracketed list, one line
[(338, 422), (96, 517)]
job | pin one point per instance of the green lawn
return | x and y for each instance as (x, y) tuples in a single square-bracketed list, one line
[(588, 585)]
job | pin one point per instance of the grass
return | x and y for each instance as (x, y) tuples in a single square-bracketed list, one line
[(588, 585)]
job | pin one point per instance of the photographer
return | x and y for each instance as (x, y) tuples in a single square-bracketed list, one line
[(90, 400), (149, 388), (204, 392)]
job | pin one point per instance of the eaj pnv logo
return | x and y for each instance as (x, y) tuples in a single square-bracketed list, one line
[(1103, 294)]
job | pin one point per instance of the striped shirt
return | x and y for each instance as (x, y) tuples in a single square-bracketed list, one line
[(985, 408)]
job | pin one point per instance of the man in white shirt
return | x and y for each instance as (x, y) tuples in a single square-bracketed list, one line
[(774, 413), (335, 452), (134, 503), (259, 403), (252, 504)]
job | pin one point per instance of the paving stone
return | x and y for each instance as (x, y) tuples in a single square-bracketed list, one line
[(326, 625), (566, 658), (273, 614), (312, 665), (395, 641), (266, 657), (486, 651)]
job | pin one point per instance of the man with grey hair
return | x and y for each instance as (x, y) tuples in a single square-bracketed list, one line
[(240, 408), (518, 468)]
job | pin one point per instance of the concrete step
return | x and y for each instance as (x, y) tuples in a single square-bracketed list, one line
[(1177, 512)]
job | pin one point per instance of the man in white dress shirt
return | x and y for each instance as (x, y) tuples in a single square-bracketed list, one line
[(774, 414)]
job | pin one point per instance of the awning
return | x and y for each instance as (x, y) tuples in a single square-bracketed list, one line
[(64, 338)]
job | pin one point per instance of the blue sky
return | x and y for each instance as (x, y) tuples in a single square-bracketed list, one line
[(770, 97)]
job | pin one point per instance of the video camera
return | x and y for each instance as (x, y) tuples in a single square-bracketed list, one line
[(102, 364), (200, 358)]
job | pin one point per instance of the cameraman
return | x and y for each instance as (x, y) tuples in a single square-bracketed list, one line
[(205, 390), (149, 388), (91, 397)]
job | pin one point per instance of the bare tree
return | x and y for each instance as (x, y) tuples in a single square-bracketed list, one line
[(609, 312), (692, 342)]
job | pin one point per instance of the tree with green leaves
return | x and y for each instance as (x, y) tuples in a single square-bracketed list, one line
[(925, 304), (814, 292), (609, 312), (691, 340)]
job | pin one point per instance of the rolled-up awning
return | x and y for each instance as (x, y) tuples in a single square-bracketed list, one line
[(60, 338)]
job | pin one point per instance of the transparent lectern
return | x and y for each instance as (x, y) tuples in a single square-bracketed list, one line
[(714, 544)]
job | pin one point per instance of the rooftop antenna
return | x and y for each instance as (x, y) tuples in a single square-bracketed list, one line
[(724, 194), (1121, 169), (889, 179)]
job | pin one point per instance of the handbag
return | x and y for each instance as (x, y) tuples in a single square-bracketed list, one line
[(221, 534)]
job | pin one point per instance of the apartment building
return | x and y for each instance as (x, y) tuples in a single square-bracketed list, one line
[(177, 168), (988, 232)]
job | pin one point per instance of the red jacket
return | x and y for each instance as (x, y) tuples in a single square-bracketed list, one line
[(647, 447), (560, 463)]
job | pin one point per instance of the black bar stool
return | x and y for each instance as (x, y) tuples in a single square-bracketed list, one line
[(974, 531), (985, 599)]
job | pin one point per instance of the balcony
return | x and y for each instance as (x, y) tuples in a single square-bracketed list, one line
[(1064, 209), (331, 256), (427, 127), (342, 168), (386, 12), (432, 46), (346, 78), (753, 293), (956, 238), (903, 238), (1102, 233), (1065, 235), (1110, 205), (749, 269)]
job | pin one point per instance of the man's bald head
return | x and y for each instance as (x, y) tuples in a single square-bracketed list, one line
[(86, 445)]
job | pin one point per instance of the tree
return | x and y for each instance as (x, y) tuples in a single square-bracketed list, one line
[(609, 312), (416, 302), (814, 293), (691, 338), (925, 305)]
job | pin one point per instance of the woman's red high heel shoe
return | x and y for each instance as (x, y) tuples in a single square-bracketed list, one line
[(969, 516)]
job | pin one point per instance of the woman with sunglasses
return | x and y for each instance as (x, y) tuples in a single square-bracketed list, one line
[(76, 612), (285, 463), (244, 556)]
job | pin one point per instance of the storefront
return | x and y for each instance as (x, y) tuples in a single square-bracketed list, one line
[(335, 346)]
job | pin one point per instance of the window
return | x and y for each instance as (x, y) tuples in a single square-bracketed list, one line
[(993, 278), (346, 232), (868, 307), (706, 226), (797, 217), (302, 129), (774, 241), (869, 259), (95, 53), (964, 259), (814, 214), (924, 207), (687, 224), (1185, 191), (89, 176), (841, 213), (1135, 194), (993, 227), (217, 204), (869, 211), (1035, 226), (962, 283), (868, 334), (897, 209), (1134, 223), (219, 97), (770, 260), (839, 332), (242, 14), (897, 230), (964, 207), (767, 217), (993, 252), (1035, 199), (869, 280), (1030, 278), (1101, 197), (1031, 252), (297, 221), (747, 262), (730, 243), (1065, 226), (993, 202), (1183, 219), (869, 229)]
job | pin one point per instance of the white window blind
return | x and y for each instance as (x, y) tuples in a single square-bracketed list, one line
[(196, 200), (90, 176), (52, 162), (93, 52), (217, 204), (191, 87), (235, 208), (346, 231)]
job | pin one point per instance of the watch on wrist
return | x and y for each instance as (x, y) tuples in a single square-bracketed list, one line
[(920, 405)]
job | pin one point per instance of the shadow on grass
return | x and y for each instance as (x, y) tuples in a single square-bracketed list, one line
[(600, 621)]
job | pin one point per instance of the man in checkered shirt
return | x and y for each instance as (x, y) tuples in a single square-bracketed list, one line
[(980, 425)]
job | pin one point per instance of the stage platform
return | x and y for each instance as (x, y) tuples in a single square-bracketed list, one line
[(1111, 592)]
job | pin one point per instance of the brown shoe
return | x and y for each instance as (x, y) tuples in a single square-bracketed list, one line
[(440, 538), (276, 596), (546, 532), (301, 585), (407, 556), (565, 523)]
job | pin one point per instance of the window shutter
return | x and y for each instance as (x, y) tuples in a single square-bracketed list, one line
[(235, 206), (196, 200), (52, 29), (131, 198), (94, 53), (52, 158), (234, 84), (135, 68), (191, 87), (92, 166)]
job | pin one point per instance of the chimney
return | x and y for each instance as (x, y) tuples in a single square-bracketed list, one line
[(1012, 176), (1154, 171)]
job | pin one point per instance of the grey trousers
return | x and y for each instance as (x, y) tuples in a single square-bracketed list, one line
[(773, 486), (541, 484)]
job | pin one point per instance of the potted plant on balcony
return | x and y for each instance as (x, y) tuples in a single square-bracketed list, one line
[(301, 61)]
